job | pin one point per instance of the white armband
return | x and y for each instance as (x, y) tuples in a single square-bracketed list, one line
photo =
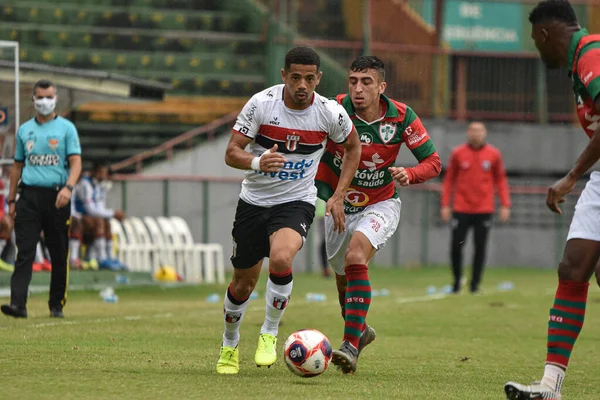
[(255, 164)]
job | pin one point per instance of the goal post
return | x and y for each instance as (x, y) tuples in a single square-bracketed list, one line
[(6, 44)]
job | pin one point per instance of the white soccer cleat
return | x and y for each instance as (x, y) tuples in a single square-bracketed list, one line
[(536, 391)]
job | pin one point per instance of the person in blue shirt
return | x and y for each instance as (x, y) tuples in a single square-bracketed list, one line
[(47, 163), (90, 201)]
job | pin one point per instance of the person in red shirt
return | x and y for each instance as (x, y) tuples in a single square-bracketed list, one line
[(474, 170)]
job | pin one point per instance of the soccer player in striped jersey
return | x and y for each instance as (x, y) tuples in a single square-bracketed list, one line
[(278, 139), (372, 204), (563, 43)]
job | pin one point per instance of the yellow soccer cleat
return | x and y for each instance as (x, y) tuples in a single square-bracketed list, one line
[(90, 265), (229, 361), (266, 353)]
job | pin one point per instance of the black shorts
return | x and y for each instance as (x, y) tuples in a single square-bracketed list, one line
[(253, 225)]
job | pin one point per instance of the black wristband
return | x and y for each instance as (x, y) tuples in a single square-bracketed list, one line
[(12, 201), (69, 187)]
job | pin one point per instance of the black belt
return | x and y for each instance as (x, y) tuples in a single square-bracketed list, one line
[(54, 188)]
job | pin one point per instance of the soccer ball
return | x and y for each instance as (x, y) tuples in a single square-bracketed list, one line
[(307, 353)]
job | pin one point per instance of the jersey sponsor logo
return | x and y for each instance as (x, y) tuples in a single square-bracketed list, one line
[(414, 137), (370, 178), (486, 165), (53, 144), (29, 145), (244, 130), (587, 78), (356, 198), (298, 171), (274, 121), (250, 114), (44, 160), (387, 132), (291, 142), (366, 139), (344, 123), (375, 160)]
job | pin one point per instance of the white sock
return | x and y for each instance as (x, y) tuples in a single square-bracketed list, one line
[(109, 248), (39, 253), (74, 245), (101, 248), (233, 315), (92, 250), (277, 297), (2, 244), (553, 377)]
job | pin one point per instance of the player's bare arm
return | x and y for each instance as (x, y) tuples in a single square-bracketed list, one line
[(237, 157), (335, 205), (589, 156)]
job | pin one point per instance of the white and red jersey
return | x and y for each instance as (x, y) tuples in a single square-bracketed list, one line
[(300, 136)]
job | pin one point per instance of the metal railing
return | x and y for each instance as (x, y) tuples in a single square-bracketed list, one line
[(167, 147), (533, 237)]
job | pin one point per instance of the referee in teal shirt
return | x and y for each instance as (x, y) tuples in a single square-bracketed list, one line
[(48, 164)]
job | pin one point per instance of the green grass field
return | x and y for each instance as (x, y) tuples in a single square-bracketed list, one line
[(163, 343)]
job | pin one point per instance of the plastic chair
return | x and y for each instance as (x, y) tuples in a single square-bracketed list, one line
[(125, 252), (148, 252), (165, 255), (172, 240), (202, 255)]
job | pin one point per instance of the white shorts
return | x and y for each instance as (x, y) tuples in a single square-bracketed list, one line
[(586, 220), (377, 222)]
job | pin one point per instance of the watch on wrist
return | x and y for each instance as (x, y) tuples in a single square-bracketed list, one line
[(12, 201), (69, 187)]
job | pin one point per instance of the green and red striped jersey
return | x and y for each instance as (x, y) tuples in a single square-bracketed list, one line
[(584, 68), (381, 141)]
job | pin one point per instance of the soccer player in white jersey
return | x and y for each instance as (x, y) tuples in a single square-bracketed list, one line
[(278, 139)]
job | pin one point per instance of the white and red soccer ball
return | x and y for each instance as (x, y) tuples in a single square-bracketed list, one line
[(307, 353)]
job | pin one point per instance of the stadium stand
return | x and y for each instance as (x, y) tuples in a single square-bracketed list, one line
[(212, 53), (199, 47)]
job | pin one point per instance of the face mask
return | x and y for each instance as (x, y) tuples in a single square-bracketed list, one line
[(45, 106)]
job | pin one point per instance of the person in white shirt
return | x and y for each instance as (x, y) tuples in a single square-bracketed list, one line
[(90, 202), (278, 139)]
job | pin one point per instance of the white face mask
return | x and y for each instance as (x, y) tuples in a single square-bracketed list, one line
[(45, 106)]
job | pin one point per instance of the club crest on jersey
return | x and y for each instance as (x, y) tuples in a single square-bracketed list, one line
[(387, 132), (53, 144), (291, 142), (29, 145)]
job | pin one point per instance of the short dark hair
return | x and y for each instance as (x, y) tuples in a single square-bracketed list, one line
[(303, 55), (553, 10), (369, 62), (100, 164), (42, 84)]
